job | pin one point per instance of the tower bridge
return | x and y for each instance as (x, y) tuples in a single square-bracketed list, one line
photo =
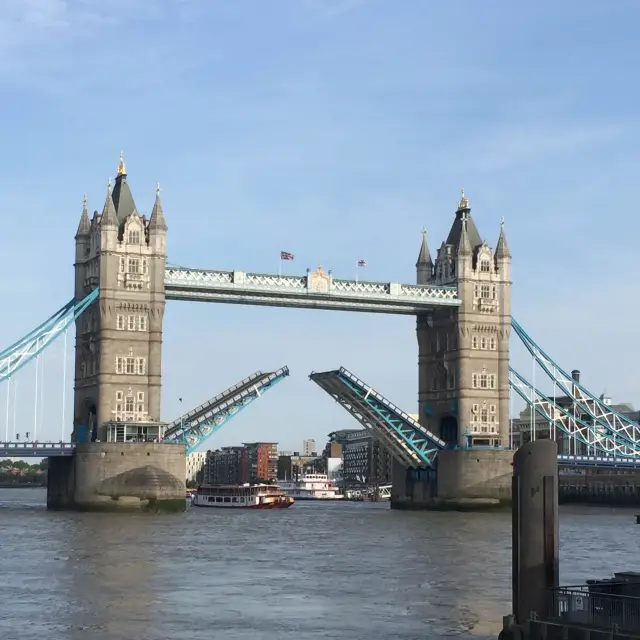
[(457, 450)]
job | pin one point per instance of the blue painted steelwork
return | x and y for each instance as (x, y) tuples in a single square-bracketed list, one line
[(194, 427), (27, 348), (597, 461), (36, 449), (606, 429), (408, 441), (594, 436)]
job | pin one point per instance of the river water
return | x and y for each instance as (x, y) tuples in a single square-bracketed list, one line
[(314, 571)]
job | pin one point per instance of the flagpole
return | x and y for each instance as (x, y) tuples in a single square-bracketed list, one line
[(280, 266), (357, 267)]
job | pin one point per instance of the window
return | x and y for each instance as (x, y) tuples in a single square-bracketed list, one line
[(142, 323), (122, 265), (484, 291), (140, 396), (485, 266), (131, 323), (145, 268), (493, 292), (119, 396), (483, 380), (134, 237), (131, 366), (476, 291), (118, 408), (483, 343), (141, 366), (120, 323), (475, 408), (492, 408), (134, 265), (492, 343), (474, 342), (128, 404), (140, 408), (120, 364)]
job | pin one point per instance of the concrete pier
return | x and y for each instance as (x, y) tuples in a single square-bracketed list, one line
[(116, 476), (463, 480), (535, 530)]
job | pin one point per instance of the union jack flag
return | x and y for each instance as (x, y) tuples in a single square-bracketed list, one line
[(285, 255), (362, 263)]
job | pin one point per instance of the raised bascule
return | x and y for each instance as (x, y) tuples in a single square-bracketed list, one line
[(455, 453)]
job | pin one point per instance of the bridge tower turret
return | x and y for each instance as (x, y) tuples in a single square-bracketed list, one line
[(464, 353), (119, 338)]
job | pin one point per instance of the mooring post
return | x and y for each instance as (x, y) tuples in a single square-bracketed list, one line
[(535, 528)]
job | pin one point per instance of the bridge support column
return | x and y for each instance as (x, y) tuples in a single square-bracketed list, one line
[(60, 482), (465, 479), (117, 476)]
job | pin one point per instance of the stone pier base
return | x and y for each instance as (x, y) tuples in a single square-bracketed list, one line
[(464, 480), (116, 476)]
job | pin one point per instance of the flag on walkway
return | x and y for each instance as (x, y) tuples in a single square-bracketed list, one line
[(285, 255), (362, 263)]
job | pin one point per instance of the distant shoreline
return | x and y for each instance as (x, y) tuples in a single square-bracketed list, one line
[(26, 485)]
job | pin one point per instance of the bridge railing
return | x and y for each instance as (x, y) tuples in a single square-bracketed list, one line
[(582, 605), (36, 445), (36, 449), (316, 289)]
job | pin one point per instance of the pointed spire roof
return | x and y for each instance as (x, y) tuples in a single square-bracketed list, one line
[(109, 216), (85, 226), (464, 210), (122, 198), (157, 221), (424, 257), (502, 248), (465, 248)]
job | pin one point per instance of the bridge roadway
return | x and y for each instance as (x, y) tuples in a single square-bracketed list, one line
[(50, 449), (315, 290)]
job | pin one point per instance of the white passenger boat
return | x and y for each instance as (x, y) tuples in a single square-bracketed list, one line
[(241, 496), (312, 486)]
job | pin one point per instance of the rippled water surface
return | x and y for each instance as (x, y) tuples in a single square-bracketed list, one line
[(350, 571)]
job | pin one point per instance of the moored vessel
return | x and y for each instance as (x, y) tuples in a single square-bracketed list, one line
[(312, 486), (241, 496)]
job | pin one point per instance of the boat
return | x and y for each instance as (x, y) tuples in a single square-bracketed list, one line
[(312, 486), (241, 496)]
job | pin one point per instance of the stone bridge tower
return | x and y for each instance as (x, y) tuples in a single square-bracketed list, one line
[(464, 353), (118, 363)]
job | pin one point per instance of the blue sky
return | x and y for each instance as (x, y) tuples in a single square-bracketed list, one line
[(333, 129)]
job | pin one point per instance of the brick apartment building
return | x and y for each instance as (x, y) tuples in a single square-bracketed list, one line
[(236, 465)]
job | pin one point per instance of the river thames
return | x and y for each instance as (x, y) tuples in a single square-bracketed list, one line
[(314, 571)]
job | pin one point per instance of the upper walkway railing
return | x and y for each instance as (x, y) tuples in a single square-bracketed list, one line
[(315, 290)]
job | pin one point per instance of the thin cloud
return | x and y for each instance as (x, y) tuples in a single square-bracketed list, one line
[(506, 147), (31, 29)]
